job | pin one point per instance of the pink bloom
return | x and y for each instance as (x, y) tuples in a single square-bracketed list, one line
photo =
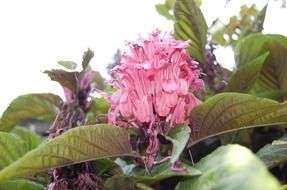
[(157, 78)]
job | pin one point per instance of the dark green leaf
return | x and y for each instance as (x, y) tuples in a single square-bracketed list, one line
[(230, 167), (11, 149), (273, 74), (190, 25), (68, 80), (77, 145), (247, 50), (161, 172), (275, 153), (105, 166), (20, 185), (243, 79), (259, 20), (274, 94), (179, 137), (233, 111), (31, 139), (30, 106), (68, 64), (88, 55)]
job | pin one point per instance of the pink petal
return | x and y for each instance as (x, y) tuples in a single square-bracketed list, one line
[(171, 99), (169, 85), (182, 87), (144, 110), (191, 102), (178, 116), (126, 108), (162, 107)]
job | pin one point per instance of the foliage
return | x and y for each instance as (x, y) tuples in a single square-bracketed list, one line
[(45, 107), (174, 144), (230, 167), (227, 112), (249, 21), (275, 153), (187, 28), (77, 145)]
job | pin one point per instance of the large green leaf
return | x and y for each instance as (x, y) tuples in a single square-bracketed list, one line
[(243, 79), (230, 167), (31, 139), (77, 145), (273, 74), (275, 153), (179, 137), (190, 25), (232, 111), (30, 106), (11, 149), (161, 172), (20, 185)]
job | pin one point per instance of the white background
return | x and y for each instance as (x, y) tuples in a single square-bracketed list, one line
[(35, 34)]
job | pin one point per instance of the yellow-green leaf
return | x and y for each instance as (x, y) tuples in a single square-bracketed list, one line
[(230, 167), (30, 106), (233, 111), (77, 145)]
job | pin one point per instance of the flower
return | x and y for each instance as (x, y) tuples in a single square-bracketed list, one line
[(156, 79)]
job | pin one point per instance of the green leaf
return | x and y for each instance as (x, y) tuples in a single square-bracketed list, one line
[(179, 137), (126, 168), (243, 79), (257, 24), (88, 55), (273, 74), (274, 94), (105, 166), (161, 172), (275, 153), (163, 10), (31, 139), (99, 106), (20, 185), (246, 49), (259, 20), (233, 111), (230, 167), (77, 145), (190, 25), (66, 79), (99, 80), (68, 64), (11, 149), (30, 106)]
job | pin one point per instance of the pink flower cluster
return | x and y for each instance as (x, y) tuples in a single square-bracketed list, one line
[(157, 78)]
